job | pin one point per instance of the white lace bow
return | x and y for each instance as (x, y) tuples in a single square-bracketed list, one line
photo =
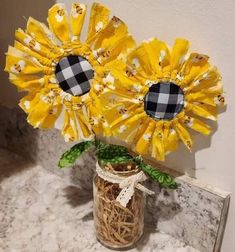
[(127, 184)]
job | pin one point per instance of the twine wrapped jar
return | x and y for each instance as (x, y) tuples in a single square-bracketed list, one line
[(118, 223)]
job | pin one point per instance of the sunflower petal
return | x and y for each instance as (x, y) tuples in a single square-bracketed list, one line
[(18, 63), (44, 60), (58, 22), (28, 102), (40, 33), (83, 125), (126, 128), (142, 145), (24, 84), (98, 20), (51, 117), (196, 125), (119, 48), (30, 42), (69, 130), (203, 110), (139, 59), (206, 80), (38, 113), (158, 150), (77, 16), (183, 135), (171, 139), (195, 60), (178, 53), (115, 30), (206, 97)]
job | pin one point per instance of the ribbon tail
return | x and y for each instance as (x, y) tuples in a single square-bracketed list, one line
[(144, 189), (125, 195)]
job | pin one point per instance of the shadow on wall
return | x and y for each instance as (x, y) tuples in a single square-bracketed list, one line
[(13, 15), (187, 160)]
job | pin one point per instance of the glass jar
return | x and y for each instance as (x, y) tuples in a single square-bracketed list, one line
[(117, 226)]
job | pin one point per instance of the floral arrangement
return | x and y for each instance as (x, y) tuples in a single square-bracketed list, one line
[(146, 95), (160, 92)]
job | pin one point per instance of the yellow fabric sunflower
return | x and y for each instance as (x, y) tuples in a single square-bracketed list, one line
[(62, 74), (159, 93)]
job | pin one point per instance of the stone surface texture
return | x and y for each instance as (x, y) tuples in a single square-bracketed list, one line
[(40, 212), (51, 208)]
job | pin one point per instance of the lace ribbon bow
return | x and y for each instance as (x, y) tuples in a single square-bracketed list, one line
[(127, 184)]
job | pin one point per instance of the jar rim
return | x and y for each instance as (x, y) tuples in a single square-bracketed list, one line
[(124, 173)]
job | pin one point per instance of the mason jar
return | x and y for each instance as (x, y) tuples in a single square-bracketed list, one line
[(117, 226)]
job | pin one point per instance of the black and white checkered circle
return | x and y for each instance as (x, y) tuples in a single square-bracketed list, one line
[(164, 100), (74, 74)]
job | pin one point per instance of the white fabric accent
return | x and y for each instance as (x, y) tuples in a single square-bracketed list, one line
[(127, 184)]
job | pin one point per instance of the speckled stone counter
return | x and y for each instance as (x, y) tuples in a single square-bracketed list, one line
[(193, 215), (39, 212)]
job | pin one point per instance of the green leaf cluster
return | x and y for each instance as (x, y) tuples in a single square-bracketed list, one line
[(115, 154), (112, 154), (70, 156)]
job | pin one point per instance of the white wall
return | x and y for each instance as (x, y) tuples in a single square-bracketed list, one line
[(209, 25)]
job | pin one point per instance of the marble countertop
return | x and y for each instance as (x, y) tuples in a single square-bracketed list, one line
[(41, 212)]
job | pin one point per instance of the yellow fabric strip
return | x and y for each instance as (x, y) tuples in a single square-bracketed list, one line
[(58, 22), (40, 33), (158, 150), (196, 125), (98, 20), (183, 135), (77, 16), (203, 110), (178, 53)]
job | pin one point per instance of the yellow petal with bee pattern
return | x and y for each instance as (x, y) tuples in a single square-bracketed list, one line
[(205, 80), (124, 83), (188, 78), (142, 128), (178, 54), (196, 125), (83, 124), (203, 110), (77, 15), (58, 22), (158, 150), (28, 102), (31, 43), (195, 60), (153, 49), (40, 33), (38, 113), (24, 84), (52, 116), (41, 59), (127, 128), (183, 135), (69, 130), (111, 34), (202, 97), (171, 139), (139, 59), (164, 55), (143, 144), (21, 65), (119, 48), (99, 18)]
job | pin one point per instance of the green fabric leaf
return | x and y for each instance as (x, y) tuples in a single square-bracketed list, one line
[(112, 154), (162, 178), (70, 156)]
